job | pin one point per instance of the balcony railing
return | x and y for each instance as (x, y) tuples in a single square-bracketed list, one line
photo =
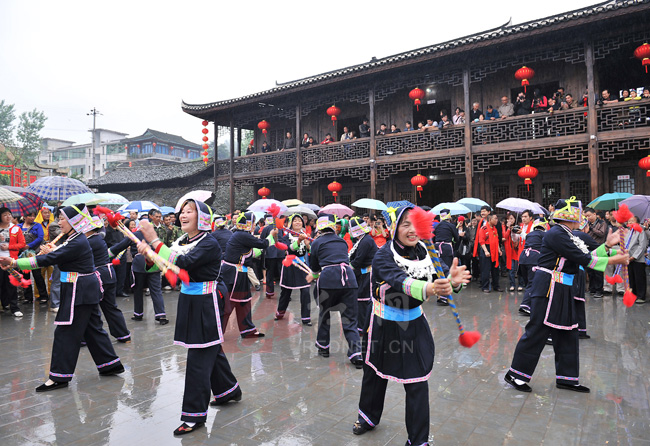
[(421, 141), (336, 151), (623, 115)]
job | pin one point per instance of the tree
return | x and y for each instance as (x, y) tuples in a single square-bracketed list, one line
[(28, 135), (7, 118)]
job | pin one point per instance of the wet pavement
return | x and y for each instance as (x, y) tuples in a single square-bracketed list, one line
[(293, 397)]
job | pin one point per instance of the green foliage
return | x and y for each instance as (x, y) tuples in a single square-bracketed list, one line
[(28, 134), (7, 118)]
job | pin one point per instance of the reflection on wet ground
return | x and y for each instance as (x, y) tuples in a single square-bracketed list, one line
[(294, 397)]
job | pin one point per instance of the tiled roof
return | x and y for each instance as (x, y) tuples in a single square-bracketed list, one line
[(152, 174), (163, 137), (502, 31)]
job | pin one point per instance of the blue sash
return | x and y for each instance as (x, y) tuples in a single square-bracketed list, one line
[(198, 288), (395, 314)]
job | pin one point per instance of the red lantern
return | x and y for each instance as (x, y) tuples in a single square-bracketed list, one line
[(524, 74), (527, 173), (126, 147), (205, 146), (205, 139), (264, 192), (130, 165), (263, 126), (418, 181), (205, 131), (138, 146), (335, 188), (333, 111), (643, 54), (154, 145), (205, 123), (204, 153), (188, 152), (644, 163), (417, 95)]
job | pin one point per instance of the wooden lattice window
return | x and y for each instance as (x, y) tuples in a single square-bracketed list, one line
[(524, 192), (580, 190), (500, 193), (462, 192), (624, 186), (551, 192), (345, 200), (406, 195)]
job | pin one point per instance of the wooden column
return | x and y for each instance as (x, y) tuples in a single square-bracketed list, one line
[(232, 166), (298, 139), (239, 141), (216, 153), (468, 137), (592, 123), (373, 145)]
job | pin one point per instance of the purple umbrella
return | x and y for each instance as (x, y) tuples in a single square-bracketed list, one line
[(639, 205)]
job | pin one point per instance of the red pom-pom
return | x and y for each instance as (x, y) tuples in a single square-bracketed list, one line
[(171, 278), (469, 338), (279, 223), (623, 214), (281, 246), (274, 210), (25, 283), (185, 278), (115, 261), (629, 298), (14, 281), (287, 262), (636, 227), (614, 279), (422, 222), (112, 217)]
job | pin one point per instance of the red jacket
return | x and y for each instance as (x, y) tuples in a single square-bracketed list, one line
[(16, 241), (488, 235), (512, 251)]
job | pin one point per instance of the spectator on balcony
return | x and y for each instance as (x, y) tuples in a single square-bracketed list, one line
[(394, 129), (506, 109), (305, 141), (475, 112), (347, 134), (364, 129), (522, 105), (606, 98), (569, 103), (266, 147), (560, 95), (491, 114), (552, 105), (382, 130), (312, 142), (456, 118), (407, 126), (431, 124), (250, 150), (420, 125), (445, 123), (442, 113), (289, 142), (624, 95), (540, 102), (328, 139), (646, 94)]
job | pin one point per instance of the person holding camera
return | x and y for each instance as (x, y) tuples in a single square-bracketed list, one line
[(522, 105), (514, 245), (379, 232)]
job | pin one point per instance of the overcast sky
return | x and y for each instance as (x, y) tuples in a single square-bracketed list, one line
[(136, 60)]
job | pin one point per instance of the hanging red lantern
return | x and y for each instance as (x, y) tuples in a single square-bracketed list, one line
[(205, 139), (644, 163), (333, 111), (264, 192), (418, 181), (188, 152), (138, 146), (417, 95), (204, 123), (205, 146), (205, 131), (126, 147), (130, 165), (643, 54), (263, 126), (335, 187), (154, 145), (524, 74), (527, 173)]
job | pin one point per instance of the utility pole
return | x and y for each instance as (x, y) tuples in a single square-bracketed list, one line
[(94, 114)]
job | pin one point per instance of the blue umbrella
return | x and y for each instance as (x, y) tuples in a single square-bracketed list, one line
[(369, 203), (394, 205), (473, 204), (57, 188), (454, 208), (167, 210), (609, 201), (140, 206)]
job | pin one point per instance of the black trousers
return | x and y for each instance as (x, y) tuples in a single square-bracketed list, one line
[(113, 315), (8, 292), (207, 370), (528, 271), (244, 315), (344, 301), (120, 276), (151, 281), (305, 303), (273, 271), (581, 314), (371, 405), (595, 281), (488, 268), (364, 313), (87, 325), (532, 342), (40, 284), (638, 280)]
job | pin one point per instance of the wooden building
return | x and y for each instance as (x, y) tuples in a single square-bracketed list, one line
[(585, 151)]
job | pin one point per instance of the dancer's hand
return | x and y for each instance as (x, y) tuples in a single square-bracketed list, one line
[(309, 278), (143, 247), (439, 287), (148, 231), (459, 274), (6, 261), (613, 238), (619, 259)]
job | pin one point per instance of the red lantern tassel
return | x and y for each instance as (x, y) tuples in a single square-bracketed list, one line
[(419, 189), (524, 83), (335, 195), (417, 104)]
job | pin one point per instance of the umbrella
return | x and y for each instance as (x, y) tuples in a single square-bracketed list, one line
[(113, 199), (639, 205), (609, 201), (473, 204), (27, 202), (57, 188), (262, 205), (198, 195), (140, 206), (454, 208), (313, 207), (369, 203), (88, 198), (292, 202), (300, 210), (337, 209), (394, 205), (520, 205), (167, 210), (6, 196)]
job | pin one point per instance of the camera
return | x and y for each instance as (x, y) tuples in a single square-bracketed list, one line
[(516, 229)]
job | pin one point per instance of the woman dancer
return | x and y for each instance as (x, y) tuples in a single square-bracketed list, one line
[(198, 318), (361, 256), (398, 345), (78, 315)]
